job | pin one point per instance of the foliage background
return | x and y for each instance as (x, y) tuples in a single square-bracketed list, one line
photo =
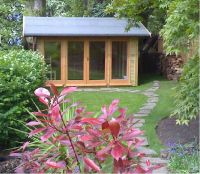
[(21, 72)]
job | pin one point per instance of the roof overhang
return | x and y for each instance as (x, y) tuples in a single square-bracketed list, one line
[(80, 26)]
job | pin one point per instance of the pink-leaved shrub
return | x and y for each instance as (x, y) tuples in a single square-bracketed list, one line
[(66, 138)]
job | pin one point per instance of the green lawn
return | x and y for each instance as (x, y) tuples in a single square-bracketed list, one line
[(94, 100)]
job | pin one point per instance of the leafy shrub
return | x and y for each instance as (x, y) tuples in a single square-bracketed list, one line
[(68, 140), (187, 92), (184, 158), (21, 72)]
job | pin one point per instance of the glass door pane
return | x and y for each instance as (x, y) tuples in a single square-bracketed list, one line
[(52, 58), (75, 60), (119, 60), (97, 60)]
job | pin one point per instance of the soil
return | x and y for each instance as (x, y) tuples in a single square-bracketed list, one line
[(169, 132), (9, 165)]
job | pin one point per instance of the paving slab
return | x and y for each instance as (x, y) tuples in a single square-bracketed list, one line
[(162, 170), (144, 111), (138, 120), (153, 100), (146, 151), (140, 115), (154, 160), (138, 125)]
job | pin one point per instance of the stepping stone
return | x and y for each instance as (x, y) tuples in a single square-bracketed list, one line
[(150, 105), (146, 151), (138, 125), (134, 91), (152, 100), (147, 107), (162, 170), (154, 160), (144, 111), (138, 120), (140, 115)]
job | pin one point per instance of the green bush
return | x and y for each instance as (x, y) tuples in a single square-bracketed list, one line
[(187, 92), (21, 72)]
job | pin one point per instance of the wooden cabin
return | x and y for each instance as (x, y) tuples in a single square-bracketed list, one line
[(86, 51)]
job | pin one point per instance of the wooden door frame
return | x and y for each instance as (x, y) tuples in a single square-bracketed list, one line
[(120, 82), (96, 82), (76, 82), (40, 48), (131, 42)]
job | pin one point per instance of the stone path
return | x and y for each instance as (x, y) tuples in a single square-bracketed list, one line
[(139, 120)]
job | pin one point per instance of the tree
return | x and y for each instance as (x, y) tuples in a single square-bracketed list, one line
[(36, 7), (176, 20), (77, 8), (11, 23)]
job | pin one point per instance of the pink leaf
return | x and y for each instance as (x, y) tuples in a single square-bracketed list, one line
[(86, 138), (105, 150), (105, 125), (122, 115), (117, 151), (113, 106), (55, 113), (36, 131), (104, 110), (40, 114), (42, 92), (25, 145), (138, 142), (44, 100), (52, 164), (91, 164), (79, 111), (93, 121), (114, 127), (139, 169), (19, 170), (94, 132), (148, 163), (47, 135), (54, 89), (130, 135), (65, 142), (68, 90), (33, 123)]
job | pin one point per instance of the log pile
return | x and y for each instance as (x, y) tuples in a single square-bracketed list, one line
[(171, 66)]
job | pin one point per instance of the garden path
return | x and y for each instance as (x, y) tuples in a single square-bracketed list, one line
[(138, 119)]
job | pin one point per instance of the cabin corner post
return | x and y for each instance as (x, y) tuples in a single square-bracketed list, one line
[(109, 59), (134, 61), (63, 60)]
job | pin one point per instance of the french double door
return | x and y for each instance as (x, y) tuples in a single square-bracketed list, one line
[(87, 62)]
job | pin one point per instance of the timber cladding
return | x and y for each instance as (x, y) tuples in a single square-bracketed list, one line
[(104, 61)]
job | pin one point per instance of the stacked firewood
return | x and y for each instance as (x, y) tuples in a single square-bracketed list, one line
[(171, 66)]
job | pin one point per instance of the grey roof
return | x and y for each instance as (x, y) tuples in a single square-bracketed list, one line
[(80, 26)]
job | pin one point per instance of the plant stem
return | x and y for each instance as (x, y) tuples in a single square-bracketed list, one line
[(73, 150)]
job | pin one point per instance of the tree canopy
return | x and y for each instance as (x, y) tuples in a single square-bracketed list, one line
[(176, 20)]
